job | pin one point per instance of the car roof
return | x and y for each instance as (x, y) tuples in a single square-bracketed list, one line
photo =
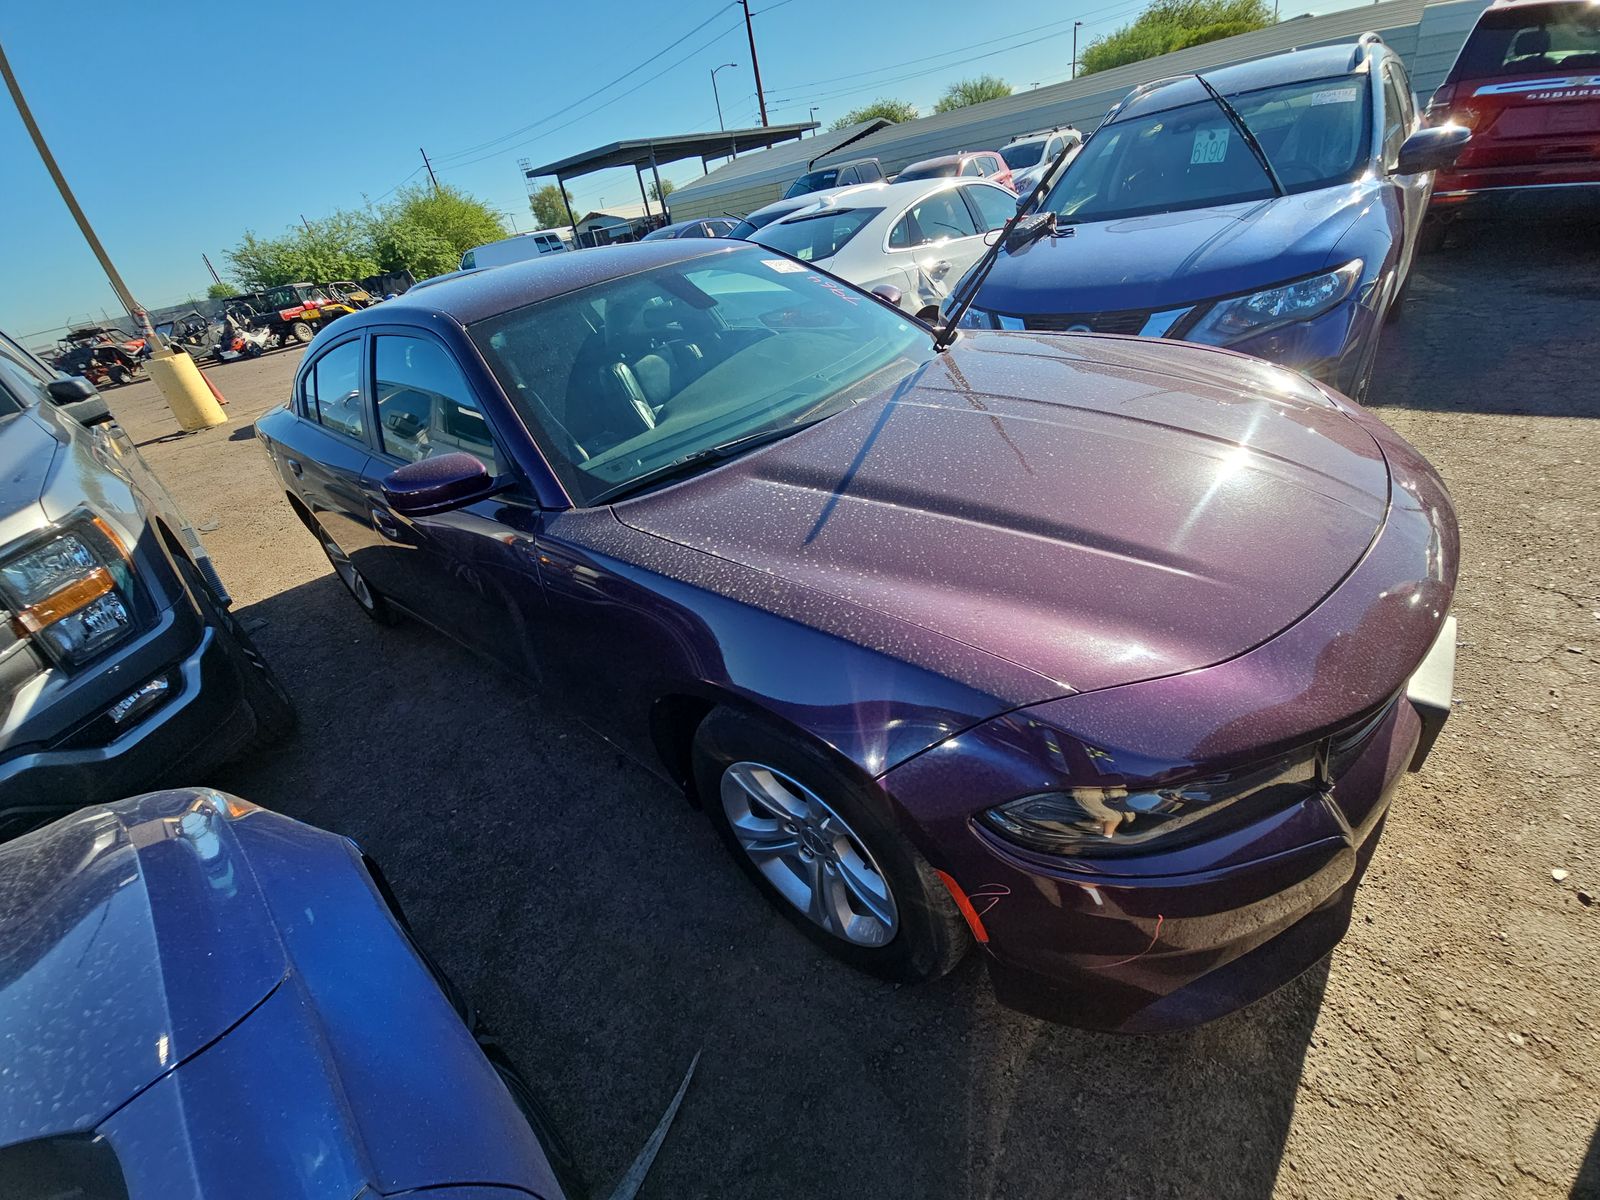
[(1292, 66), (888, 195), (941, 159), (478, 295)]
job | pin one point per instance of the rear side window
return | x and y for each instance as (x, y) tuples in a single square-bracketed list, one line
[(425, 407), (992, 206), (869, 172), (333, 390), (1524, 40)]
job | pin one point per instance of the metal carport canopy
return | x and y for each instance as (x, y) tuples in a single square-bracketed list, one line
[(641, 152)]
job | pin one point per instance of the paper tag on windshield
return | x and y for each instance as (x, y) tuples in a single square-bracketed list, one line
[(1334, 96), (781, 264), (1210, 146)]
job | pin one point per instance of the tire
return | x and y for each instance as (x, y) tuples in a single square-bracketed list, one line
[(1431, 237), (368, 598), (301, 332), (120, 375), (274, 712), (927, 937)]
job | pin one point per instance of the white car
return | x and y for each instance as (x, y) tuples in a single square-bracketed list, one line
[(917, 238), (1030, 155)]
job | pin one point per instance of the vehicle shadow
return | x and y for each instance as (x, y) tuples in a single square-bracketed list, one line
[(1517, 335), (1587, 1185), (595, 919)]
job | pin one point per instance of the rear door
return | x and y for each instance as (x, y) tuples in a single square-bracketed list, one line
[(1527, 81), (471, 573)]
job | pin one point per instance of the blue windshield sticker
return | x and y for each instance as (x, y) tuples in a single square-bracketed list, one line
[(1210, 146)]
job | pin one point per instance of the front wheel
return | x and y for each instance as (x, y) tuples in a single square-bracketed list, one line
[(824, 851), (274, 712), (369, 598), (301, 332), (121, 375)]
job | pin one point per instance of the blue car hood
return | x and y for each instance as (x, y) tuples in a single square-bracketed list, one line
[(1169, 260), (130, 939)]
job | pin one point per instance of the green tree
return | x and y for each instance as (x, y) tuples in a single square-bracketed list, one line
[(666, 189), (336, 247), (425, 230), (972, 91), (889, 110), (221, 291), (547, 207), (1169, 25)]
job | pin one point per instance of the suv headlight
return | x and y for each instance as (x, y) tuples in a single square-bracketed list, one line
[(1245, 316), (1112, 821), (74, 592)]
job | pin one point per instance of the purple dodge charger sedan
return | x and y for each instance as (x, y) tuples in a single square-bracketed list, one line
[(1105, 654)]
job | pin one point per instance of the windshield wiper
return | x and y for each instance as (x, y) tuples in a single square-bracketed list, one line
[(1022, 228), (1244, 131), (698, 460)]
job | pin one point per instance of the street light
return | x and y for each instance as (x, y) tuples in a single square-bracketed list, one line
[(1075, 25), (714, 94)]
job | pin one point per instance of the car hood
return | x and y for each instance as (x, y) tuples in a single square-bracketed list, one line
[(130, 939), (1095, 510), (27, 449), (1167, 260)]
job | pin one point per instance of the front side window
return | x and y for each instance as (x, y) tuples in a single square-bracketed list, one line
[(333, 390), (425, 406), (628, 377), (973, 167), (1315, 133), (1529, 39), (934, 218), (1394, 121), (818, 236)]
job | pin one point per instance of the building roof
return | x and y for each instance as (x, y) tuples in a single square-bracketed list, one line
[(788, 160), (624, 212), (641, 152)]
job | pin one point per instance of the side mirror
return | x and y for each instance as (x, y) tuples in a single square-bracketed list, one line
[(78, 398), (436, 485), (1431, 148), (888, 293)]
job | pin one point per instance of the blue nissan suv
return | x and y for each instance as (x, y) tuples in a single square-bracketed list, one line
[(1271, 207)]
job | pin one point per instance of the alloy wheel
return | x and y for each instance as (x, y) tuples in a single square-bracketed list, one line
[(809, 854), (348, 574)]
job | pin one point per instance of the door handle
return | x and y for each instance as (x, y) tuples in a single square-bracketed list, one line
[(294, 466), (940, 269), (385, 524)]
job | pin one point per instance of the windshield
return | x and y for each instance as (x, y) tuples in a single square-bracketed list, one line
[(1315, 134), (814, 237), (1526, 40), (814, 182), (622, 378), (1023, 154), (931, 171)]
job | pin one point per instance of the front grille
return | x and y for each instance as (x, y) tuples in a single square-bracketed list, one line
[(1130, 320)]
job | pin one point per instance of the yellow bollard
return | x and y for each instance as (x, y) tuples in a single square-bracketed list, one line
[(185, 391)]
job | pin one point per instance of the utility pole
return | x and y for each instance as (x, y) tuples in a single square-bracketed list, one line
[(755, 65), (215, 278), (140, 317), (305, 223), (813, 118), (429, 165), (1075, 25)]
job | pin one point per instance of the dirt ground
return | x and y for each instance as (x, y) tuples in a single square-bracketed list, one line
[(1449, 1048)]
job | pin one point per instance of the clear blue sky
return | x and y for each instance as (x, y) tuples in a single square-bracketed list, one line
[(331, 108)]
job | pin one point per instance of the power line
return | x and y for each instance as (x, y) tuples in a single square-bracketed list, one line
[(470, 150)]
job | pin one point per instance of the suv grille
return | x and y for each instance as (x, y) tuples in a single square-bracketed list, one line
[(1129, 320)]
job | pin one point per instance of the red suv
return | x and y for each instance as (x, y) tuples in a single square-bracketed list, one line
[(1527, 83)]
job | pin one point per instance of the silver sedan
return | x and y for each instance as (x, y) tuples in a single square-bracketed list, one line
[(917, 238)]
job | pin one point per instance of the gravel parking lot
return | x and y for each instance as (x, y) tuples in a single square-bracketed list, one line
[(1450, 1047)]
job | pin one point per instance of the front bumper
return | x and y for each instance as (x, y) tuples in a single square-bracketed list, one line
[(202, 720), (1142, 953)]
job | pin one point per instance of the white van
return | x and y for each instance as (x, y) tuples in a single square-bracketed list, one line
[(518, 249)]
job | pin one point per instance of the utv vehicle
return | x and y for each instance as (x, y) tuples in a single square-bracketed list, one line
[(100, 356), (293, 312)]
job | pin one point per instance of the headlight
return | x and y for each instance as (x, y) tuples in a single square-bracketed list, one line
[(1107, 822), (1246, 316), (74, 592)]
